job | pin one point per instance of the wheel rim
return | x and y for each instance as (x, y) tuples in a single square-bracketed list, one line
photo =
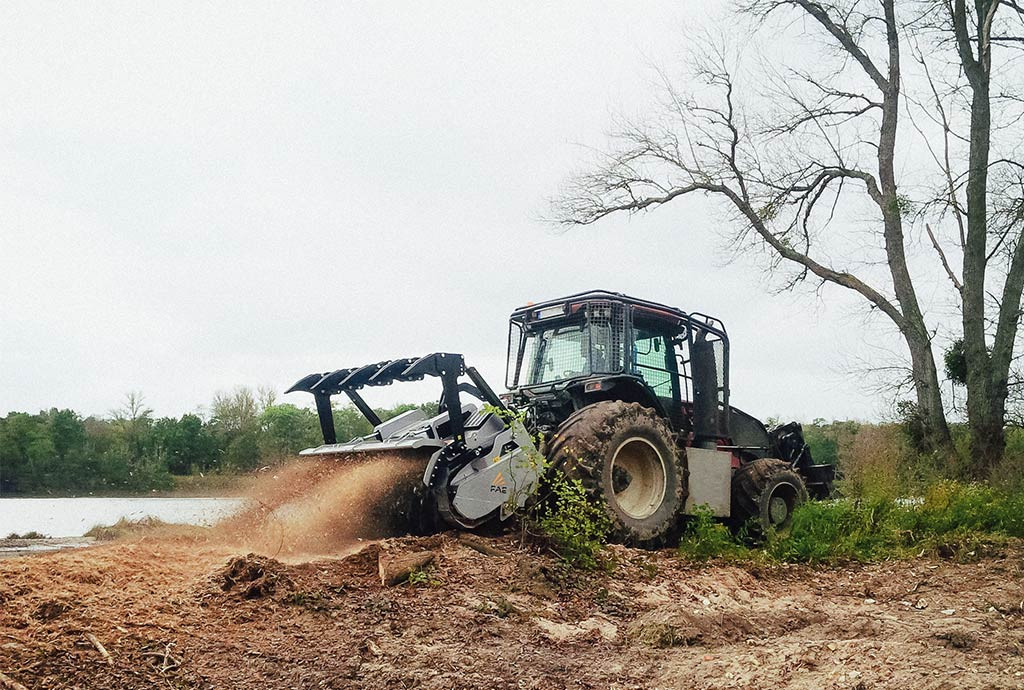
[(781, 503), (639, 469)]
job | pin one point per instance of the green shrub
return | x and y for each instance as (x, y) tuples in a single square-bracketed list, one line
[(951, 519), (842, 530), (576, 527), (952, 506), (704, 538)]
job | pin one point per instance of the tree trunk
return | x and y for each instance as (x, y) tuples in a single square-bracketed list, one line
[(929, 396), (913, 328), (986, 387)]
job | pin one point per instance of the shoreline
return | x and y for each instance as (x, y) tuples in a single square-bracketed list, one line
[(17, 548)]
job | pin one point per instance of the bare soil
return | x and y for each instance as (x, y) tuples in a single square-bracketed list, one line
[(234, 608), (181, 612)]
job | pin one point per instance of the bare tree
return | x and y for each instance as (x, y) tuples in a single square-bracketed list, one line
[(782, 172), (991, 223), (238, 410), (132, 420)]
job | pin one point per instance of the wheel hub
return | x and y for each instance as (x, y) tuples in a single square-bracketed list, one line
[(639, 478), (778, 511)]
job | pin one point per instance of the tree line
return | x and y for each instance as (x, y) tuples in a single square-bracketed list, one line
[(62, 451)]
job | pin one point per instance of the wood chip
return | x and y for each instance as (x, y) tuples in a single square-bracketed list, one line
[(10, 683), (100, 648)]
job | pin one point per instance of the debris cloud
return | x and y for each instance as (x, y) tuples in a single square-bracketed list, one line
[(326, 507)]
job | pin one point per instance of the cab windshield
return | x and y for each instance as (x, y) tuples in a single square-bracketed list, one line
[(565, 350)]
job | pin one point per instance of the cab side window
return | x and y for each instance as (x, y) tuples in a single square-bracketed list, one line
[(654, 360)]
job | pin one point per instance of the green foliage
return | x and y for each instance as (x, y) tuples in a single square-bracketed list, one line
[(951, 520), (422, 577), (242, 450), (576, 526), (838, 531), (287, 429), (955, 362), (186, 444), (349, 422), (704, 538), (508, 415), (26, 451), (827, 439), (951, 506), (903, 205), (914, 424)]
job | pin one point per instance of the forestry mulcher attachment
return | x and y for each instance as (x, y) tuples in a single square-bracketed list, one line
[(628, 396)]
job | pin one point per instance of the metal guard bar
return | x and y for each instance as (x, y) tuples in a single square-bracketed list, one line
[(445, 365)]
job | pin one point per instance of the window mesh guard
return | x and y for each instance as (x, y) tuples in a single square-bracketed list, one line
[(607, 337), (591, 342)]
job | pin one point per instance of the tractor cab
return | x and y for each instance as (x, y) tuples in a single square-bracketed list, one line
[(567, 353)]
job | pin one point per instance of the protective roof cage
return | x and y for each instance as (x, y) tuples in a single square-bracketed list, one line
[(444, 365), (612, 313), (571, 304)]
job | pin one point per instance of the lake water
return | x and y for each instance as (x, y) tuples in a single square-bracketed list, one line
[(73, 517)]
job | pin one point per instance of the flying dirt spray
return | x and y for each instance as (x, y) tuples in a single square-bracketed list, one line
[(325, 507)]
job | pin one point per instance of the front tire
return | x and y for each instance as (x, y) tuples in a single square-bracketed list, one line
[(624, 455)]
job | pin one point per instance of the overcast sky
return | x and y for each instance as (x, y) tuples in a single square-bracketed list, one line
[(200, 195)]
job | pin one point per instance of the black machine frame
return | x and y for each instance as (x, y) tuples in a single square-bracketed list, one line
[(709, 402), (445, 365)]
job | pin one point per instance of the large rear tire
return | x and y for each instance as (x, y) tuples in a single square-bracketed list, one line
[(624, 455), (766, 491)]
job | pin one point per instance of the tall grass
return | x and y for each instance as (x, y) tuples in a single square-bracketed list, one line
[(952, 519), (893, 502)]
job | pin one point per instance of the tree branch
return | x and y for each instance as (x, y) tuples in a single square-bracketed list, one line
[(942, 257)]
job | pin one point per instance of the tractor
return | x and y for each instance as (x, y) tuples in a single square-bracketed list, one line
[(629, 397)]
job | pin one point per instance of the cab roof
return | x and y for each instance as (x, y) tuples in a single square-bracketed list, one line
[(656, 309), (603, 295)]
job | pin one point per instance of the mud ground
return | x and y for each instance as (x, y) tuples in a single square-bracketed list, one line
[(184, 611)]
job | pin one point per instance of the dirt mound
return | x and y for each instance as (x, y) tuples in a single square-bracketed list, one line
[(252, 576)]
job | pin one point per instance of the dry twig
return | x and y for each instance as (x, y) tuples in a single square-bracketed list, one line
[(166, 660), (100, 648)]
